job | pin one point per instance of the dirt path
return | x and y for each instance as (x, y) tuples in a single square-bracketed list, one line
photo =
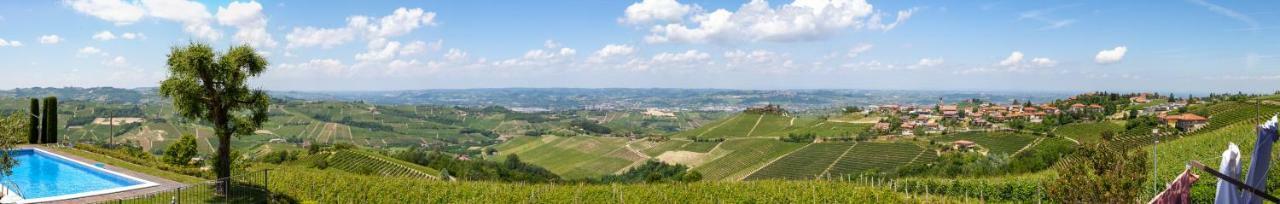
[(717, 126), (771, 162), (1033, 143), (913, 159), (1072, 139), (841, 157), (753, 127), (206, 139)]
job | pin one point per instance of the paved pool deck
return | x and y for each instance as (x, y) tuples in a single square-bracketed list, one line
[(162, 184)]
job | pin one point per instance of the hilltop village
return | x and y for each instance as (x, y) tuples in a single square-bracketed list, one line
[(978, 115)]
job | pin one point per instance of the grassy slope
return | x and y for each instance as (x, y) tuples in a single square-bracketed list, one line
[(130, 166), (1088, 132)]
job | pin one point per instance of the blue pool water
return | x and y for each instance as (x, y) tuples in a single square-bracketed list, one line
[(40, 175)]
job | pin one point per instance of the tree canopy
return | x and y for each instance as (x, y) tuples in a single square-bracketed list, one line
[(211, 86)]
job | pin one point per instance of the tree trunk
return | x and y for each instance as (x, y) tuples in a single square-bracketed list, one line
[(222, 168)]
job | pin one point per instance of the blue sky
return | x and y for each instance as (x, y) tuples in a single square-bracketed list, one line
[(1181, 46)]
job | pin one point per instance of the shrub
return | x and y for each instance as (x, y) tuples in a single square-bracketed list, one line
[(181, 152), (1104, 175)]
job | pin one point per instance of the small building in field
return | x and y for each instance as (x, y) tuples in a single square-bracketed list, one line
[(1077, 107), (963, 144), (882, 126), (1186, 121)]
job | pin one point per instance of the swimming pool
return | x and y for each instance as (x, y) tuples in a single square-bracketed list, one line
[(43, 176)]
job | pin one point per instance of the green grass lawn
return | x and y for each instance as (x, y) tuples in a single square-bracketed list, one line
[(181, 178), (1088, 132)]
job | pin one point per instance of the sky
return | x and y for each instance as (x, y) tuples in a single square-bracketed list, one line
[(1179, 46)]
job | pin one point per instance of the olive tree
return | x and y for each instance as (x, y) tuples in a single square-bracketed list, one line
[(210, 86), (12, 128)]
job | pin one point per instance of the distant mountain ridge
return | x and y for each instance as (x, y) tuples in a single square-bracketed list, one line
[(581, 98)]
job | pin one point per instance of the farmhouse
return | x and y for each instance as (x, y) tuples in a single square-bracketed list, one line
[(882, 126), (963, 144), (1077, 107), (1185, 121)]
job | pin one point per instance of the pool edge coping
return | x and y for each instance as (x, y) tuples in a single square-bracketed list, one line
[(144, 183)]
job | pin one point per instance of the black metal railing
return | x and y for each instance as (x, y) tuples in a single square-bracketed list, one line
[(248, 187)]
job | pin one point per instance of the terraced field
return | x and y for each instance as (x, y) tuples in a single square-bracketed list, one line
[(806, 163), (373, 164), (572, 157), (1088, 132), (736, 159), (997, 142), (880, 156)]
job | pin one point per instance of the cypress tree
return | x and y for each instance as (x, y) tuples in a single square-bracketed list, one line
[(50, 120), (33, 126)]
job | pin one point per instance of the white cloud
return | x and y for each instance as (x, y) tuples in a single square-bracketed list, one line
[(927, 62), (318, 37), (1253, 24), (107, 35), (248, 18), (768, 61), (1044, 62), (1014, 59), (86, 51), (688, 56), (550, 44), (115, 11), (611, 51), (1110, 56), (50, 39), (1015, 63), (874, 23), (194, 17), (118, 61), (132, 36), (419, 47), (802, 20), (655, 10), (455, 54), (1042, 15), (14, 43), (104, 36), (323, 67), (541, 57), (400, 22), (858, 50), (379, 50)]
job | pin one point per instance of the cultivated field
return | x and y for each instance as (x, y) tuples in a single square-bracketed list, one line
[(735, 159), (997, 142)]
